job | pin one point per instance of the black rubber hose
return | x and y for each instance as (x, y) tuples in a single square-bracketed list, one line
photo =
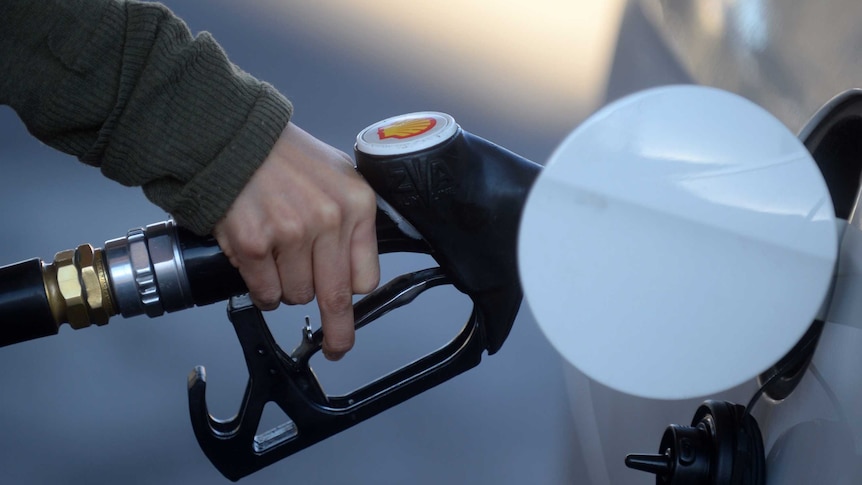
[(24, 310)]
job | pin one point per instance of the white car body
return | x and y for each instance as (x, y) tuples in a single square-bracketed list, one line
[(790, 57)]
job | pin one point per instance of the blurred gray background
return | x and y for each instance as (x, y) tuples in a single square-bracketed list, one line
[(108, 405)]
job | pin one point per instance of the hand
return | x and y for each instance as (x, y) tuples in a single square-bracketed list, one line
[(304, 226)]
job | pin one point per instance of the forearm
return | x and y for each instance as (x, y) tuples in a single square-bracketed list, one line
[(124, 86)]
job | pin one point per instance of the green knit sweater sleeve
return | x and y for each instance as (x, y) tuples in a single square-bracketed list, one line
[(123, 85)]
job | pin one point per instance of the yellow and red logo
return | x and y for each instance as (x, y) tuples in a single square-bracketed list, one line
[(407, 128)]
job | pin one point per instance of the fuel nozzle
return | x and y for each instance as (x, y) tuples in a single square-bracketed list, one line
[(463, 194)]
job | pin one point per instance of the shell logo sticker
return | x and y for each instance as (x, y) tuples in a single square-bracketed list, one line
[(406, 128)]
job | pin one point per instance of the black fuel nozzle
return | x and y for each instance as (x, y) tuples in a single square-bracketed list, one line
[(441, 191), (464, 195)]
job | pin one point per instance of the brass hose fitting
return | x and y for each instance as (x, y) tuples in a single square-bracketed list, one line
[(76, 284)]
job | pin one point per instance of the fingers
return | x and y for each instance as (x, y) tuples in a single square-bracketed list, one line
[(303, 226), (345, 262), (362, 242), (293, 259), (253, 257), (334, 294), (261, 277), (364, 262)]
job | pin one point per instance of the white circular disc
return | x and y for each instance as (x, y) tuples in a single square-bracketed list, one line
[(407, 133), (678, 243)]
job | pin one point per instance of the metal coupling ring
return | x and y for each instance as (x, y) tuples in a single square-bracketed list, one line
[(132, 276), (167, 262)]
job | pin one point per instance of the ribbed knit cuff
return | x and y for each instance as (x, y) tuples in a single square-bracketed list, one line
[(204, 199), (189, 126), (125, 86)]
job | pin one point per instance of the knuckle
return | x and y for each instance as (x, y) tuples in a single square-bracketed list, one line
[(252, 248), (337, 303), (290, 229), (362, 199), (329, 215)]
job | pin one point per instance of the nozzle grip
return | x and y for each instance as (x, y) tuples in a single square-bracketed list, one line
[(212, 278), (465, 197)]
